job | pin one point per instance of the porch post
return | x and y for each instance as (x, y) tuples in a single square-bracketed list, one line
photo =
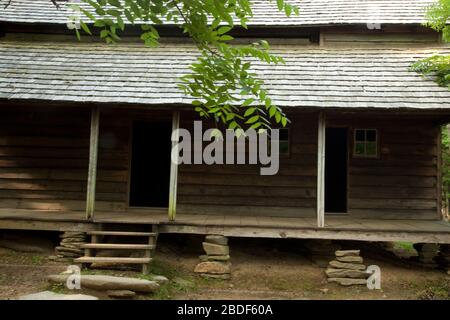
[(92, 171), (174, 169), (321, 171)]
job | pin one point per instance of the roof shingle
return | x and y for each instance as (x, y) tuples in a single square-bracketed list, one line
[(312, 12), (132, 73)]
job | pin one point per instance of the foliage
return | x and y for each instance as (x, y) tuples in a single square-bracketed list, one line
[(437, 16), (438, 66), (220, 81)]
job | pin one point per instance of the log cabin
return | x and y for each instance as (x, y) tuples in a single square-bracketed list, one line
[(85, 128)]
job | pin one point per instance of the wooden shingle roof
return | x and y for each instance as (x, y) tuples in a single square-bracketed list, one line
[(312, 12), (132, 73)]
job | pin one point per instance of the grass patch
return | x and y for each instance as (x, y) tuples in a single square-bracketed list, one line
[(407, 246)]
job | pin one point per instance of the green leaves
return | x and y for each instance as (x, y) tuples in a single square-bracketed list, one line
[(437, 16), (221, 81), (438, 66)]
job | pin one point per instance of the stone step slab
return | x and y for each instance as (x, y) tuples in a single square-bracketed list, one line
[(350, 259), (346, 253), (49, 295), (348, 281), (121, 294), (212, 249), (343, 265), (206, 257), (104, 283), (213, 267), (346, 273), (216, 239)]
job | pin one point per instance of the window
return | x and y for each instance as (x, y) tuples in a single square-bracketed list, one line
[(365, 143)]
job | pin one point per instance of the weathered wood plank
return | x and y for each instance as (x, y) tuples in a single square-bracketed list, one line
[(93, 156), (172, 210), (321, 171)]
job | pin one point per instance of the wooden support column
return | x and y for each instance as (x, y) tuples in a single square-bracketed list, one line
[(174, 169), (321, 171), (93, 155)]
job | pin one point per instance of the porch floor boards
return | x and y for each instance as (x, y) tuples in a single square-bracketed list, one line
[(270, 222)]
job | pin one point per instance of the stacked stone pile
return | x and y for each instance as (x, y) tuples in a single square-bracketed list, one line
[(70, 246), (215, 263), (347, 269)]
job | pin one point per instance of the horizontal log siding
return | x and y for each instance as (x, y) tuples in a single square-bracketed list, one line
[(239, 189), (43, 158), (401, 183)]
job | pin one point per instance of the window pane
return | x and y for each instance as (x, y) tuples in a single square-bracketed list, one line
[(359, 148), (371, 148), (371, 135), (284, 147), (359, 135)]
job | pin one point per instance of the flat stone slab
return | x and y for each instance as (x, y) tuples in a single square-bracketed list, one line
[(226, 276), (343, 265), (103, 283), (213, 249), (351, 259), (121, 294), (206, 257), (160, 279), (212, 267), (348, 281), (345, 273), (217, 239), (345, 253), (49, 295)]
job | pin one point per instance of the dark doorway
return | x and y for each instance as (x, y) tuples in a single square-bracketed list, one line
[(150, 164), (336, 170)]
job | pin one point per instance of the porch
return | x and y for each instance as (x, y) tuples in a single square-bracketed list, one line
[(336, 227)]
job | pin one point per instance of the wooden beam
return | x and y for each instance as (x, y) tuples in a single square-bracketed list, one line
[(321, 171), (439, 186), (174, 169), (93, 156), (309, 233)]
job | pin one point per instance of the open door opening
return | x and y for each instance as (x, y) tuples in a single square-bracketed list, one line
[(150, 164), (336, 151)]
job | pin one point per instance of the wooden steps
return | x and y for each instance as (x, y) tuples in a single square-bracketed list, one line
[(117, 246), (122, 233), (97, 243), (113, 260)]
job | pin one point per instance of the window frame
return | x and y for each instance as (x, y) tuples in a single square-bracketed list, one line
[(365, 155)]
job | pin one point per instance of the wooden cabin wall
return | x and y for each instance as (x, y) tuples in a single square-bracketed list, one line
[(402, 181), (241, 190), (43, 158)]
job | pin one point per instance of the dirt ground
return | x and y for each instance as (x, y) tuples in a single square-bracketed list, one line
[(261, 269)]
